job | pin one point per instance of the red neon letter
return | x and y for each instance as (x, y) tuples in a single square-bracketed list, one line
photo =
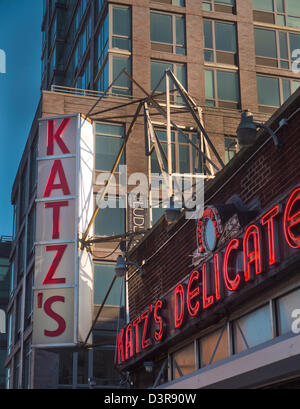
[(218, 285), (60, 248), (145, 339), (231, 285), (137, 334), (60, 321), (268, 219), (57, 169), (158, 334), (292, 219), (56, 136), (252, 255), (120, 346), (179, 318), (207, 301), (56, 216), (128, 342), (193, 310)]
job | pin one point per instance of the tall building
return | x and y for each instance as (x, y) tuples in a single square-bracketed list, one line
[(5, 247), (229, 55)]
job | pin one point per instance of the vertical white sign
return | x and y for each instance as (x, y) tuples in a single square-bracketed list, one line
[(63, 291)]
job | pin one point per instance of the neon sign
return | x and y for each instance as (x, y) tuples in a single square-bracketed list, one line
[(226, 270)]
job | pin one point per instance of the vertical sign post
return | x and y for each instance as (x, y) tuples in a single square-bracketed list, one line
[(63, 290)]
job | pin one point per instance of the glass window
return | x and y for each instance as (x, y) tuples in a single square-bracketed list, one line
[(66, 368), (103, 276), (103, 359), (284, 307), (183, 361), (82, 367), (265, 5), (110, 220), (265, 43), (225, 6), (268, 91), (158, 69), (123, 84), (208, 344), (220, 42), (227, 86), (180, 3), (252, 329), (29, 299), (121, 31), (26, 365), (109, 140), (167, 32), (230, 148), (222, 88)]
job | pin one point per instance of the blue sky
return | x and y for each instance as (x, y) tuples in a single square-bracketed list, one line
[(20, 38)]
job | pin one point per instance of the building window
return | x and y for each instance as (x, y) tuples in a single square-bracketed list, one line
[(279, 12), (274, 48), (30, 233), (12, 276), (103, 276), (183, 361), (110, 220), (28, 299), (223, 6), (222, 89), (273, 91), (109, 139), (10, 333), (214, 347), (220, 42), (180, 3), (26, 365), (167, 33), (82, 367), (230, 148), (284, 308), (18, 321), (158, 69), (252, 329), (17, 370), (66, 368), (103, 359), (21, 261), (33, 166), (121, 28)]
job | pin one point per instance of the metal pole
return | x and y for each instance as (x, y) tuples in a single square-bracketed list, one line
[(169, 136)]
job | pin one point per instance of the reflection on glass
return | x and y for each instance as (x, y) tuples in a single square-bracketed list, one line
[(183, 361), (285, 306), (208, 344), (252, 329)]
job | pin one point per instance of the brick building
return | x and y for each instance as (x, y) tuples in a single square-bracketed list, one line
[(225, 317), (223, 52)]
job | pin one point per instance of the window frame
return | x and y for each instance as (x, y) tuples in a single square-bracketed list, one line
[(155, 45), (275, 15), (217, 101)]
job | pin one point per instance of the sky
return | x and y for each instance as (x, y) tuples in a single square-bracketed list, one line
[(20, 39)]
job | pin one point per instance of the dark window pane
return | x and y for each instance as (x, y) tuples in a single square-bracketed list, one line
[(110, 220), (228, 88), (225, 37), (286, 89), (66, 368), (161, 28), (268, 91), (103, 276), (265, 43), (208, 42), (157, 71), (293, 7), (180, 31), (121, 21), (283, 45), (265, 5), (294, 42)]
